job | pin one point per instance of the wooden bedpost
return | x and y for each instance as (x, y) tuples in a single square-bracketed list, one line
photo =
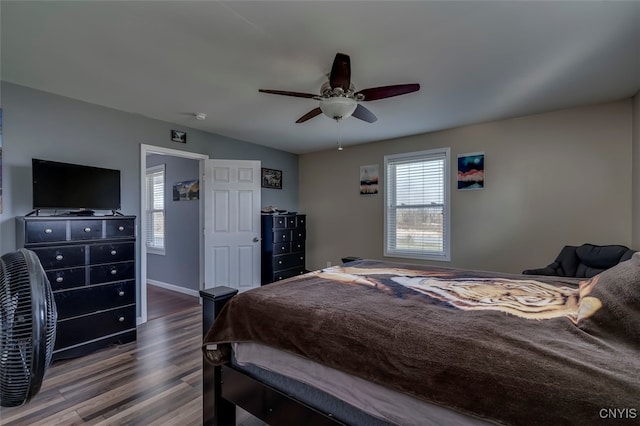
[(216, 411)]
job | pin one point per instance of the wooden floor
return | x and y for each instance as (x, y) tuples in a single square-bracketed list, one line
[(162, 302), (156, 380), (153, 381)]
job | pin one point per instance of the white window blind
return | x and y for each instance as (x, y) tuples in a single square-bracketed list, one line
[(417, 205), (155, 209)]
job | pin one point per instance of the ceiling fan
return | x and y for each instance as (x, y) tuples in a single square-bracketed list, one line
[(338, 96)]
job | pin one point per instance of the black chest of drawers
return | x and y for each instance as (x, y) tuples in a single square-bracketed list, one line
[(283, 246), (90, 263)]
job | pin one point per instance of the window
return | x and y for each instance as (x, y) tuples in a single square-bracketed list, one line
[(155, 209), (417, 205)]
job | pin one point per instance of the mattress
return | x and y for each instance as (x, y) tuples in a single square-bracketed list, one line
[(507, 348), (385, 406)]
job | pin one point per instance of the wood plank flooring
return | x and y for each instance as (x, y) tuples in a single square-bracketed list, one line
[(156, 380), (153, 381), (163, 302)]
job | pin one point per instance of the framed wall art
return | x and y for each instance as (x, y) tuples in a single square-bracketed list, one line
[(0, 160), (471, 171), (271, 178), (179, 136), (369, 179), (187, 190)]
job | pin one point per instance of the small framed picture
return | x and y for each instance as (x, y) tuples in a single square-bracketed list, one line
[(179, 136), (471, 171), (187, 190), (369, 180), (271, 178)]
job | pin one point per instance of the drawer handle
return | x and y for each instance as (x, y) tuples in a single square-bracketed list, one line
[(121, 293), (279, 262), (48, 231), (301, 257), (59, 257), (113, 252), (121, 319), (284, 237), (87, 229), (282, 247), (59, 279), (113, 272), (120, 228)]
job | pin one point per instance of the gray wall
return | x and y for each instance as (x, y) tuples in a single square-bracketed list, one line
[(44, 125), (636, 171), (552, 179), (180, 265)]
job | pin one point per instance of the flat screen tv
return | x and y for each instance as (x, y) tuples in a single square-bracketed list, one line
[(74, 187)]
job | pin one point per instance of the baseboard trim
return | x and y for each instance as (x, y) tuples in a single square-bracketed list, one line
[(174, 287)]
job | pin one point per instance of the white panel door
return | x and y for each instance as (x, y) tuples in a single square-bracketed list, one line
[(232, 224)]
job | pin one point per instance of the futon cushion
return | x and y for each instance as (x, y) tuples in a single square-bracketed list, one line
[(600, 257), (585, 261), (567, 262), (595, 259)]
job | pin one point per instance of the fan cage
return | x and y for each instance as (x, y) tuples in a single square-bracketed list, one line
[(27, 326)]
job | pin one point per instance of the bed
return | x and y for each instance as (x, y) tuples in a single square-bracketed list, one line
[(373, 342)]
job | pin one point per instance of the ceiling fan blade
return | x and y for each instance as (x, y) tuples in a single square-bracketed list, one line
[(364, 114), (309, 115), (341, 72), (286, 93), (388, 91)]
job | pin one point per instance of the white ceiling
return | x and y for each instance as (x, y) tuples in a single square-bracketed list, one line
[(475, 61)]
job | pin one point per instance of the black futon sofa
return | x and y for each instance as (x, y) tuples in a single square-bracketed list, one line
[(585, 261)]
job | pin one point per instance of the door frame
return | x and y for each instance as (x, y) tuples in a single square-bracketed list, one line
[(144, 151)]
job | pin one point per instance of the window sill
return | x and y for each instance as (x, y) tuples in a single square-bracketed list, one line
[(159, 252)]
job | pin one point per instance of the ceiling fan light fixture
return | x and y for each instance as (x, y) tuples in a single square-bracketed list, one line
[(339, 107)]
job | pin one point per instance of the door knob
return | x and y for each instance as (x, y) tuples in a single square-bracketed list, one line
[(256, 239)]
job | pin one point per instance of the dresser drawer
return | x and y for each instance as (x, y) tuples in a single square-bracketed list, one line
[(299, 234), (281, 248), (287, 261), (281, 236), (112, 252), (62, 279), (89, 327), (86, 229), (301, 221), (279, 222), (73, 303), (120, 228), (288, 273), (60, 257), (297, 246), (112, 272), (44, 231)]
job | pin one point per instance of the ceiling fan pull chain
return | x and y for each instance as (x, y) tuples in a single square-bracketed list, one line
[(338, 131)]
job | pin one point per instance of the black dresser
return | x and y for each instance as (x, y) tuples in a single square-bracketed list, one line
[(283, 246), (90, 263)]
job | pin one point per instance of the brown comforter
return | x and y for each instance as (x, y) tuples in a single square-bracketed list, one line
[(506, 348)]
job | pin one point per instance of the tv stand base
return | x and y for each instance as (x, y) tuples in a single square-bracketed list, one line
[(83, 212)]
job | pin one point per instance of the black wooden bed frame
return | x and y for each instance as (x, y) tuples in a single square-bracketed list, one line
[(225, 387)]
